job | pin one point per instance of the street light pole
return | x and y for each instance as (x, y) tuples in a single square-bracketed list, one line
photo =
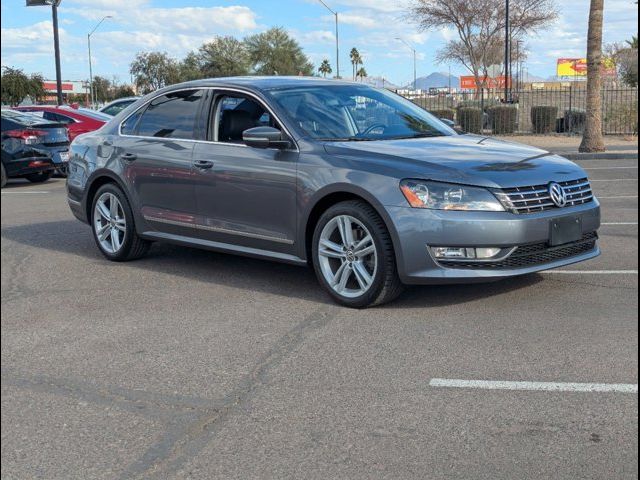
[(91, 92), (56, 42), (415, 79), (56, 48), (506, 52), (335, 14)]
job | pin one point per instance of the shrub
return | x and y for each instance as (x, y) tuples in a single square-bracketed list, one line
[(503, 118), (470, 119), (488, 103), (622, 119), (543, 118), (574, 120), (447, 113)]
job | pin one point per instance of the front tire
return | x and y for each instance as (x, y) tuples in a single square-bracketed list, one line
[(353, 256), (113, 225)]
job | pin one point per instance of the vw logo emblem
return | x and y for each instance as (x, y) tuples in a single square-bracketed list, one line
[(557, 194)]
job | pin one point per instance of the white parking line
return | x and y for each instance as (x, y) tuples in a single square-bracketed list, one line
[(614, 180), (619, 223), (610, 168), (617, 196), (535, 386), (23, 192), (590, 272)]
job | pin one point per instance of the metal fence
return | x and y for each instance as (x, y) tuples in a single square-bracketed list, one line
[(534, 111)]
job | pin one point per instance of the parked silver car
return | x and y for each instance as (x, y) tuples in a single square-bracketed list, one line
[(370, 189)]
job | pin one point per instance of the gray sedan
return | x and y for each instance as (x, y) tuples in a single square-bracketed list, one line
[(371, 190)]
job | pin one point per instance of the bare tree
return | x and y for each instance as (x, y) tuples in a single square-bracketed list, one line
[(592, 140), (479, 25)]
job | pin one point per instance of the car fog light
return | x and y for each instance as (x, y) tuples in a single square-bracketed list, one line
[(487, 252), (465, 253)]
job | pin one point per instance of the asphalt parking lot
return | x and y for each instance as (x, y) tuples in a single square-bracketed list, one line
[(191, 364)]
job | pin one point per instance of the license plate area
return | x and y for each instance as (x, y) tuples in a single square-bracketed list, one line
[(64, 156), (565, 230)]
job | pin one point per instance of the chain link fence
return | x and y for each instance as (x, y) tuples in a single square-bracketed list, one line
[(534, 111)]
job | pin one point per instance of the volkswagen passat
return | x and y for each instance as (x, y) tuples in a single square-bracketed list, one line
[(370, 189)]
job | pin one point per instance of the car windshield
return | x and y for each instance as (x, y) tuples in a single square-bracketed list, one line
[(101, 117), (356, 113)]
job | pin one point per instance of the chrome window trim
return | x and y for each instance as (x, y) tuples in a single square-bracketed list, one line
[(220, 88)]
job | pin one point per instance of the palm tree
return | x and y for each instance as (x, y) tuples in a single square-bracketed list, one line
[(361, 73), (325, 68), (356, 60), (592, 140), (633, 43)]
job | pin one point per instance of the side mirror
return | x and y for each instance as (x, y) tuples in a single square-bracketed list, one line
[(265, 137), (447, 122), (452, 124)]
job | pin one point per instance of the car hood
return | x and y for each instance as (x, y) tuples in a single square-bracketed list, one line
[(467, 159)]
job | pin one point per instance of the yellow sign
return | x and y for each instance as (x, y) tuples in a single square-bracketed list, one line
[(572, 67)]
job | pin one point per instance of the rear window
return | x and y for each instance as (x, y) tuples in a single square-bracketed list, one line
[(170, 116), (25, 118)]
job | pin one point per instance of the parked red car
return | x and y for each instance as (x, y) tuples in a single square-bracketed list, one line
[(77, 121)]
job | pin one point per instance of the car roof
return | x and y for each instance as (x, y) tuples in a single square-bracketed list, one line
[(66, 109), (266, 83), (24, 118)]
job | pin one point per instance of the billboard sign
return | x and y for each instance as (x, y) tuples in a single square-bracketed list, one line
[(577, 67), (468, 82)]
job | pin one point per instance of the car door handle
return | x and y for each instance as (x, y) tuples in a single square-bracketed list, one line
[(203, 164), (129, 157)]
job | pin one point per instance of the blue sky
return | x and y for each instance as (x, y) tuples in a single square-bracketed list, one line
[(179, 26)]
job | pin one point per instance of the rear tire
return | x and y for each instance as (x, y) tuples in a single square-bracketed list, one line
[(113, 225), (39, 177), (353, 256)]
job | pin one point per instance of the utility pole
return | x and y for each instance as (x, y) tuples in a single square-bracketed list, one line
[(415, 79), (335, 14), (506, 52), (91, 90), (56, 41)]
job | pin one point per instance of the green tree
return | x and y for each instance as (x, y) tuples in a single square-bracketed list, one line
[(102, 89), (15, 86), (361, 73), (122, 91), (223, 57), (356, 59), (189, 68), (37, 91), (325, 68), (154, 70), (274, 52)]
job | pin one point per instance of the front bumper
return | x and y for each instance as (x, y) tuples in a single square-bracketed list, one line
[(416, 230)]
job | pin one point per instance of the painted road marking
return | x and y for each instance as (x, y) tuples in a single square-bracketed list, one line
[(609, 168), (618, 196), (615, 180), (535, 386), (22, 192), (620, 223), (591, 272)]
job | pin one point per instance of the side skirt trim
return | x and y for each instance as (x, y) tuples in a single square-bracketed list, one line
[(209, 228), (224, 247)]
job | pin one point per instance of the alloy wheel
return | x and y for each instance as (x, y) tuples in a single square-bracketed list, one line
[(347, 256), (109, 223)]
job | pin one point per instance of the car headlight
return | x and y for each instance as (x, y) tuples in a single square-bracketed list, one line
[(448, 196)]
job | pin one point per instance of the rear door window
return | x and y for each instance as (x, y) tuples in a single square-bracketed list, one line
[(170, 116)]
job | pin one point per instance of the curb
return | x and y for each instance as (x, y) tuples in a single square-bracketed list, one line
[(598, 156)]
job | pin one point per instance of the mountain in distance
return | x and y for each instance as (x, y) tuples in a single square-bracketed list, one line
[(434, 80), (379, 82)]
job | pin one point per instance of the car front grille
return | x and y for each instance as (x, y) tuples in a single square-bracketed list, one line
[(536, 198), (531, 255)]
